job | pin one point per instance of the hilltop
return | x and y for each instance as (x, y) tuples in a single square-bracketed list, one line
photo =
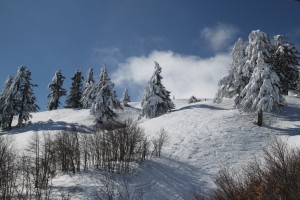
[(203, 138)]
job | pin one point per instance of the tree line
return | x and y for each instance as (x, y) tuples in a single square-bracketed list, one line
[(261, 73), (18, 99)]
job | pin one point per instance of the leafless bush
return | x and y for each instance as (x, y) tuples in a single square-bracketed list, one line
[(159, 143), (8, 169), (37, 167), (86, 149), (275, 176), (68, 150), (29, 176), (116, 149)]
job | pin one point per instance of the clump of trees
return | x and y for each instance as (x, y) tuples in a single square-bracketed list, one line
[(17, 99), (156, 100), (261, 73), (193, 99), (8, 168), (29, 175)]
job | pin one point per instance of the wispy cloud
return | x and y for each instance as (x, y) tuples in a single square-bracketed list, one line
[(183, 75), (218, 37), (107, 55)]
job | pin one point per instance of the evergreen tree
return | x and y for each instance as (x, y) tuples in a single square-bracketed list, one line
[(285, 59), (262, 92), (193, 99), (125, 99), (88, 95), (244, 57), (12, 103), (19, 100), (56, 90), (156, 99), (8, 111), (4, 95), (116, 102), (103, 104), (75, 93), (234, 82), (27, 102)]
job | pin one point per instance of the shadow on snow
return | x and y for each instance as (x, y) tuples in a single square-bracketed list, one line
[(164, 177), (291, 114), (50, 125), (199, 106)]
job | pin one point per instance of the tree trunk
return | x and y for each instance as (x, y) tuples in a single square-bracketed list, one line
[(260, 117), (285, 88)]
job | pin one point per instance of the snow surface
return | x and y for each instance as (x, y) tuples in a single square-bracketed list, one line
[(203, 138)]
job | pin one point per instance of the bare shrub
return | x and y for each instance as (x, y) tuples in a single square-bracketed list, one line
[(159, 143), (277, 176), (68, 150), (37, 167), (8, 169), (115, 150)]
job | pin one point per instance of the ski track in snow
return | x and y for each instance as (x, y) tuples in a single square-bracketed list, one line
[(203, 138)]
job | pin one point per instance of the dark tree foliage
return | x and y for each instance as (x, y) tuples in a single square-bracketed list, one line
[(75, 93), (28, 99), (285, 59), (56, 90)]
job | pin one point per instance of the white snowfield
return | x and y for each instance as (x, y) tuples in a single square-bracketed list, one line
[(203, 138)]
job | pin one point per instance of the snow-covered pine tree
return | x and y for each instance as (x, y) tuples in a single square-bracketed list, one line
[(103, 103), (125, 99), (12, 103), (88, 95), (156, 99), (262, 92), (75, 92), (244, 57), (116, 102), (193, 99), (285, 59), (56, 90), (234, 82), (28, 99), (8, 111), (4, 95), (20, 99)]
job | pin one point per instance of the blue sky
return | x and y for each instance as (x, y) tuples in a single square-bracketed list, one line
[(191, 39)]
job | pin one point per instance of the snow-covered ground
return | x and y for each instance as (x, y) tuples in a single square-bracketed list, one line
[(203, 138)]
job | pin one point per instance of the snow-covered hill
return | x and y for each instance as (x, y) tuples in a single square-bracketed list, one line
[(203, 137)]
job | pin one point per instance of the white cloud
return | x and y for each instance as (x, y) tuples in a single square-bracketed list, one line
[(182, 75), (219, 36)]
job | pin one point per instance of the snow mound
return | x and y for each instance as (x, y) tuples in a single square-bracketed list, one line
[(203, 138)]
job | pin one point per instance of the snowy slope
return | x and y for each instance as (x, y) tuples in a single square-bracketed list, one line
[(203, 137)]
